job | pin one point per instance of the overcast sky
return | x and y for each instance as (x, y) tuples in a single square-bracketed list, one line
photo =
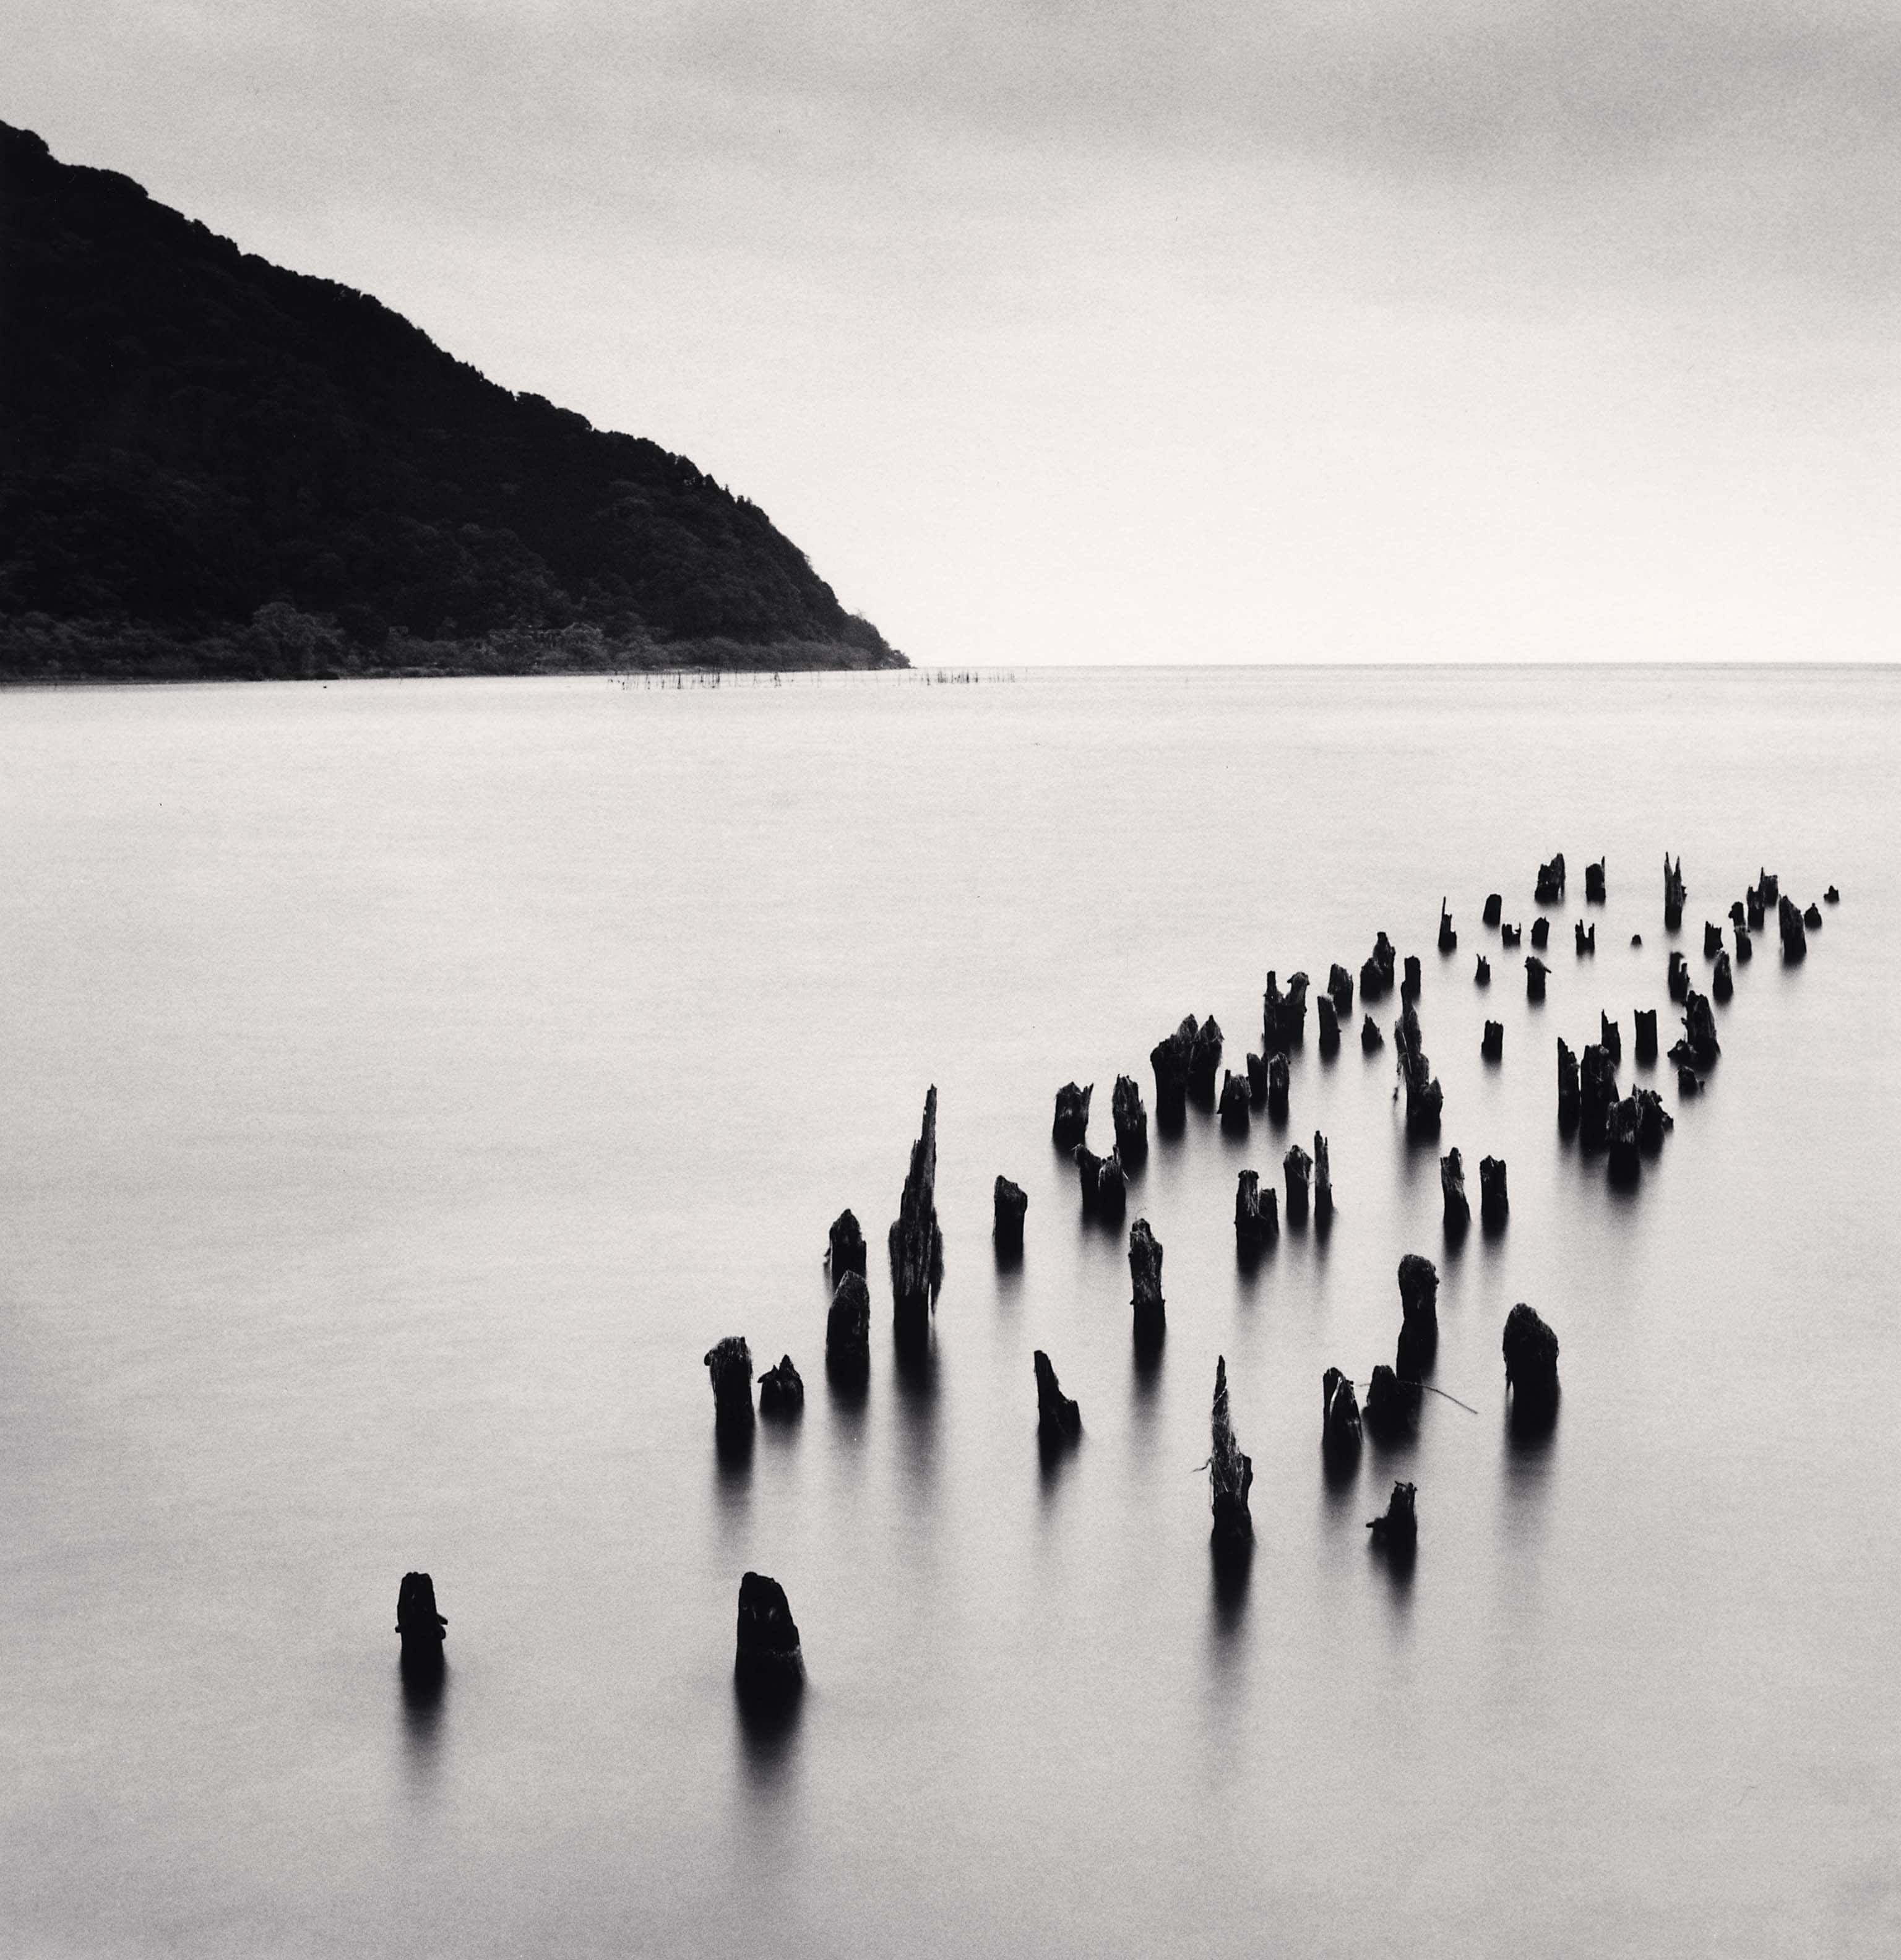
[(1202, 330)]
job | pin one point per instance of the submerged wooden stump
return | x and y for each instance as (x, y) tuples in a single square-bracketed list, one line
[(848, 1333), (767, 1664), (423, 1629), (916, 1244), (1494, 1205), (1531, 1363), (1230, 1474), (1150, 1317), (1071, 1126), (1452, 1191), (1009, 1202), (845, 1247), (1058, 1419)]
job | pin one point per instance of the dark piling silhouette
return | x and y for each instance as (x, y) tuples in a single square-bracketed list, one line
[(1512, 935), (1495, 1207), (1425, 1099), (1297, 1167), (1169, 1058), (1257, 1079), (1322, 1186), (1594, 883), (1587, 937), (1482, 974), (1698, 1045), (1452, 1189), (729, 1364), (1812, 917), (1339, 987), (1745, 946), (1376, 975), (1058, 1419), (1419, 1318), (1236, 1103), (1712, 939), (1412, 980), (848, 1332), (1491, 1044), (769, 1668), (1675, 892), (1620, 1139), (1678, 976), (1204, 1058), (1339, 1418), (1570, 1097), (1277, 1087), (1392, 1404), (1104, 1189), (1645, 1021), (1550, 889), (1229, 1475), (915, 1244), (1531, 1367), (1610, 1039), (1795, 942), (1011, 1201), (1653, 1120), (1130, 1120), (781, 1391), (1397, 1533), (1150, 1315), (1071, 1124), (1448, 939), (1284, 1015), (1540, 934), (1495, 907), (423, 1629), (1535, 972), (1370, 1037), (1722, 982), (1598, 1083), (1257, 1218), (846, 1242), (1329, 1025)]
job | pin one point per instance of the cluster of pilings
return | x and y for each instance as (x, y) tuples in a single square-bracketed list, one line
[(1625, 1127)]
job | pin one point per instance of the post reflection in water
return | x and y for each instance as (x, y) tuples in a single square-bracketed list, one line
[(1339, 1477), (1527, 1457), (915, 1382), (768, 1731), (1230, 1574), (424, 1687), (732, 1446), (1053, 1456)]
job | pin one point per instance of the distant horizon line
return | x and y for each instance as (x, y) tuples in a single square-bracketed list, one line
[(945, 673)]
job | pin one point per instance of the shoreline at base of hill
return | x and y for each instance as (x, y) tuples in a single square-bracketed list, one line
[(281, 644)]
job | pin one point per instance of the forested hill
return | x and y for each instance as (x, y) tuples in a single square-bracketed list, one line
[(211, 466)]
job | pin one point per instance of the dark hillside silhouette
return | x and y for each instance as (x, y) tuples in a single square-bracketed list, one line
[(211, 466)]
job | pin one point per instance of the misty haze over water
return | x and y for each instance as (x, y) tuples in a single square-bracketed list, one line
[(406, 1085)]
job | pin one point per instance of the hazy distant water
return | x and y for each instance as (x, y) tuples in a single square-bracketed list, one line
[(401, 1085)]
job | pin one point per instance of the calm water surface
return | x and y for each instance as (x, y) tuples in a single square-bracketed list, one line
[(402, 1086)]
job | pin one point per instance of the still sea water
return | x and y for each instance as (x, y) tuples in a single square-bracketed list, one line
[(402, 1085)]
